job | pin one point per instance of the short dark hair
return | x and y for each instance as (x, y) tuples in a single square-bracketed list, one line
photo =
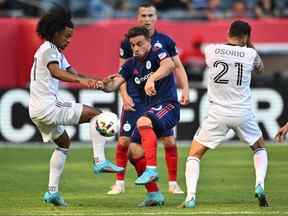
[(239, 28), (54, 21), (138, 31), (146, 5)]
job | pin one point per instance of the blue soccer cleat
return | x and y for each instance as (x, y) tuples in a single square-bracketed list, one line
[(106, 166), (153, 199), (54, 198), (261, 196), (149, 175), (188, 204)]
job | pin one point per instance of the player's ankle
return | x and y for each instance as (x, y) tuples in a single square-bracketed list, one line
[(120, 183)]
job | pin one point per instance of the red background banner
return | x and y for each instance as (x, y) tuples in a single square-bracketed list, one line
[(94, 49)]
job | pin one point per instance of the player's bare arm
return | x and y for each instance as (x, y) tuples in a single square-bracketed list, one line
[(128, 102), (112, 83), (282, 132), (167, 66), (182, 80), (66, 76)]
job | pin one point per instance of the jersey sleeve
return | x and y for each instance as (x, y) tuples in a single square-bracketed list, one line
[(124, 71), (65, 63), (171, 47), (49, 56), (125, 49), (207, 53)]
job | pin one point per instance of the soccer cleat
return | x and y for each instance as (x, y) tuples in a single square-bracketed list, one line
[(175, 188), (261, 196), (116, 189), (149, 175), (188, 204), (106, 166), (153, 199), (54, 198)]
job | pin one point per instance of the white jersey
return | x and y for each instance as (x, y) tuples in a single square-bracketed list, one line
[(229, 77), (44, 87)]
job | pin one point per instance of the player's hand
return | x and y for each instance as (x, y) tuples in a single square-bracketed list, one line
[(88, 83), (128, 103), (184, 99), (280, 136), (150, 87)]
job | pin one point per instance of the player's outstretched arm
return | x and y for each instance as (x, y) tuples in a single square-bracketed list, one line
[(181, 77), (280, 136), (167, 66), (66, 76), (112, 82)]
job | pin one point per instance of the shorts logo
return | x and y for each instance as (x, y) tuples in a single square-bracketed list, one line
[(158, 45), (157, 108), (121, 52), (148, 65), (137, 80), (127, 127)]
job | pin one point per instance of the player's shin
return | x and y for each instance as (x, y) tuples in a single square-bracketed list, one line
[(98, 142), (149, 143), (171, 158), (260, 164), (121, 160), (57, 163), (192, 175)]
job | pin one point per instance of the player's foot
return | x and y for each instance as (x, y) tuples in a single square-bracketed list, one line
[(54, 198), (106, 166), (116, 189), (174, 188), (153, 199), (261, 196), (188, 204), (149, 175)]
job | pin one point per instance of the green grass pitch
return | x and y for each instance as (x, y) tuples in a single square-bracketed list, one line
[(226, 184)]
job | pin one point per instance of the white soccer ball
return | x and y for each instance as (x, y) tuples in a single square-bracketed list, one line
[(107, 124)]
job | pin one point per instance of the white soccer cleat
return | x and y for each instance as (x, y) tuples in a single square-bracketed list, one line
[(116, 189), (174, 188)]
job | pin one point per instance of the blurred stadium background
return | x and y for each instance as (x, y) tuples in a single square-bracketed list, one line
[(94, 50)]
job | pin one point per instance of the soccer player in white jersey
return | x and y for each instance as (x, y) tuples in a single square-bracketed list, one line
[(46, 109), (229, 69)]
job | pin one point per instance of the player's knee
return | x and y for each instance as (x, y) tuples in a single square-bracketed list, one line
[(63, 141), (258, 144), (144, 121), (88, 113), (197, 150), (168, 141), (124, 141), (135, 151)]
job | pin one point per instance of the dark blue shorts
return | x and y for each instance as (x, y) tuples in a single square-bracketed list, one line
[(164, 118), (129, 118)]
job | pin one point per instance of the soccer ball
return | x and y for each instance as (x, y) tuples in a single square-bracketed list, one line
[(107, 124)]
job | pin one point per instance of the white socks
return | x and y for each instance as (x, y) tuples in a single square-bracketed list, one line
[(260, 165), (98, 142), (192, 175), (120, 183), (57, 163)]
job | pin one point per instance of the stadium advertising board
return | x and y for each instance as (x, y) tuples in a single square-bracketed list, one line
[(270, 105)]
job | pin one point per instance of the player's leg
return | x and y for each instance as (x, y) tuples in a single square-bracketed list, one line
[(57, 163), (171, 157), (192, 173), (155, 122), (75, 113), (153, 197), (149, 144), (121, 157), (249, 132), (208, 136)]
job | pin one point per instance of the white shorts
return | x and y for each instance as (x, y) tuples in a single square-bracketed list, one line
[(215, 127), (51, 125)]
